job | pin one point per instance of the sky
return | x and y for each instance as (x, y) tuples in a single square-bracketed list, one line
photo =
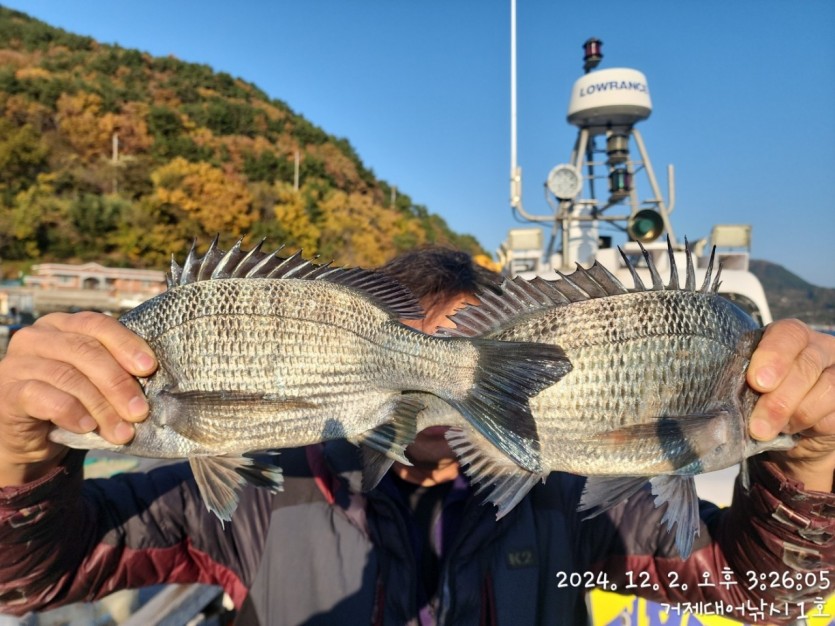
[(743, 96)]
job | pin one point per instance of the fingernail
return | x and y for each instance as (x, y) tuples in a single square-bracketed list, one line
[(761, 429), (87, 424), (144, 361), (766, 377), (123, 431), (138, 407)]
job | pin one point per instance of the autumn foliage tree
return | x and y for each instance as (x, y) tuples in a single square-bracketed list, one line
[(114, 155)]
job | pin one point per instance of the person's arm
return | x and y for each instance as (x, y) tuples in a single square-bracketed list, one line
[(76, 371)]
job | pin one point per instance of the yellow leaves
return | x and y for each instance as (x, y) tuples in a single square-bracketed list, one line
[(485, 261), (28, 73), (356, 231), (80, 121), (216, 201), (131, 126), (294, 219)]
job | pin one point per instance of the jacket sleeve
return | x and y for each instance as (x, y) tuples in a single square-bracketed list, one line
[(65, 539), (768, 557)]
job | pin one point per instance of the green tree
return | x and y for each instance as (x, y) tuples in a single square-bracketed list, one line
[(22, 157)]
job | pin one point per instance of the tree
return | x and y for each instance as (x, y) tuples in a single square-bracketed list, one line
[(22, 157), (214, 201), (80, 121)]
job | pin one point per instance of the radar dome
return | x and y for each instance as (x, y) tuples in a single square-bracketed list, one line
[(608, 98)]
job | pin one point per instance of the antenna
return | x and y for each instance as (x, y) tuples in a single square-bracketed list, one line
[(515, 171)]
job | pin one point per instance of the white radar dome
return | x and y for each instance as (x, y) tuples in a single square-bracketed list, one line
[(607, 98)]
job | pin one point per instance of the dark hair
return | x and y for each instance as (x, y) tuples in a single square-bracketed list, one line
[(440, 274)]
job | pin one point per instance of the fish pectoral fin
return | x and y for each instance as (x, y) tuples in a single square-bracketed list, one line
[(183, 411), (505, 482), (219, 479), (385, 444), (679, 494), (681, 441)]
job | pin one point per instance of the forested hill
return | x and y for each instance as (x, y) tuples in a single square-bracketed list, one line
[(791, 296), (111, 154)]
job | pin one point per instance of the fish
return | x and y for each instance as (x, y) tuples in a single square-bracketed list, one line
[(262, 352), (656, 393)]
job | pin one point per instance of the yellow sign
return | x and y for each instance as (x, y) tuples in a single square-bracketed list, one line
[(611, 609)]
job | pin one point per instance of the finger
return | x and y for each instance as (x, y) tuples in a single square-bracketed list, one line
[(80, 365), (127, 348), (815, 415), (780, 345), (44, 401), (803, 395), (59, 392)]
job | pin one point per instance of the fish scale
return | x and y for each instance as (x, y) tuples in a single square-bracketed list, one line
[(258, 352), (657, 390)]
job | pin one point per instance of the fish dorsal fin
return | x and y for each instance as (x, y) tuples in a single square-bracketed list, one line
[(217, 264), (519, 295)]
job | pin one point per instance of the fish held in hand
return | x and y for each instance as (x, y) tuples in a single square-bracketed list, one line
[(657, 390), (262, 352)]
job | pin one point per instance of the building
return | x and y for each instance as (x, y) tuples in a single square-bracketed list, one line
[(68, 287)]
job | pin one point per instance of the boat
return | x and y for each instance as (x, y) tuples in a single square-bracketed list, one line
[(595, 196)]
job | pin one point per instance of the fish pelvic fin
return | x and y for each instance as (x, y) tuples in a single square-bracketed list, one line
[(601, 493), (508, 375), (385, 444), (504, 482), (220, 478), (236, 263), (86, 441)]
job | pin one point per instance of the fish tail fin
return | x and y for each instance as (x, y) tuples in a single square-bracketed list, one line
[(219, 479), (508, 375), (678, 492)]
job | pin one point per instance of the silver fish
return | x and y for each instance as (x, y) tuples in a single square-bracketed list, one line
[(261, 352), (656, 393)]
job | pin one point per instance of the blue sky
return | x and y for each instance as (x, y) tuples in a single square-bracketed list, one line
[(743, 96)]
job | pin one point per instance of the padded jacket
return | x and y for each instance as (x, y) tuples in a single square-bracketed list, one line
[(322, 552)]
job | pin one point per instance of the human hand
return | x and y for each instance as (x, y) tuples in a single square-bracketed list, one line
[(76, 371), (794, 369)]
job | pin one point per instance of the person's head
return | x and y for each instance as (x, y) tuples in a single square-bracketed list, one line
[(443, 281)]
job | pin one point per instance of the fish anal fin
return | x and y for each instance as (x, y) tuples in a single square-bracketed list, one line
[(679, 494), (504, 482), (220, 478), (389, 439)]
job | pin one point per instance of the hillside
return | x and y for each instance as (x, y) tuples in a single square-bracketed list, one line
[(791, 296), (111, 154)]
